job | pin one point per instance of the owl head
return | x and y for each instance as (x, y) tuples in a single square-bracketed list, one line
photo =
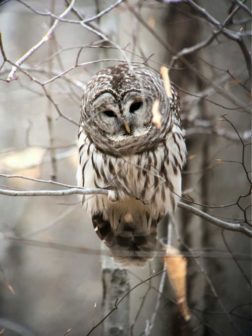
[(117, 109)]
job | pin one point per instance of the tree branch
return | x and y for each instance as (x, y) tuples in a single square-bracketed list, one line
[(103, 12), (233, 35), (216, 221), (81, 191), (244, 7), (64, 192)]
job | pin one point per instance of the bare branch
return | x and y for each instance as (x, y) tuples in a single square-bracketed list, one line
[(27, 178), (105, 11), (216, 221), (64, 192), (200, 126), (81, 191), (206, 42), (196, 47), (190, 66), (235, 259), (244, 7), (83, 20), (2, 51), (233, 35), (57, 108), (63, 73)]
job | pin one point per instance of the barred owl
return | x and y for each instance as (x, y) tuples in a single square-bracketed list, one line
[(123, 151)]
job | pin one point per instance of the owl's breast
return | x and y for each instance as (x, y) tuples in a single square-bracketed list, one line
[(152, 177), (142, 189)]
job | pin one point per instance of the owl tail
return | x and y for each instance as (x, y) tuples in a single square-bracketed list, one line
[(127, 246)]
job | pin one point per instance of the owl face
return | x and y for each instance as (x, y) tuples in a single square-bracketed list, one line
[(117, 107), (125, 117)]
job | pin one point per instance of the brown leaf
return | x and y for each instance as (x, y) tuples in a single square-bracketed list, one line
[(176, 268), (11, 289), (151, 22), (164, 71), (156, 119)]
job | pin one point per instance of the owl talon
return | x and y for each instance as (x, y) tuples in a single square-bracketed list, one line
[(113, 195), (140, 200)]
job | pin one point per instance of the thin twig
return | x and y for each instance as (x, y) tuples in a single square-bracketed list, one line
[(63, 73), (103, 12), (119, 300), (2, 48), (244, 7), (194, 48), (59, 18), (43, 40), (246, 277), (49, 97), (213, 289), (202, 126), (206, 42), (32, 179), (150, 323)]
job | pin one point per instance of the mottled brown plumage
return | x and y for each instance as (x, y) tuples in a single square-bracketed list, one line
[(121, 149)]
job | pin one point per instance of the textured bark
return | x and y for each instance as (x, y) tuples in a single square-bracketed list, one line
[(115, 285)]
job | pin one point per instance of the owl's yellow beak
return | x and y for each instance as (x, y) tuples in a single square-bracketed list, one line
[(127, 127)]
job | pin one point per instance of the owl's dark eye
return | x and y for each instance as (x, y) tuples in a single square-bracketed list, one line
[(135, 106), (109, 113)]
